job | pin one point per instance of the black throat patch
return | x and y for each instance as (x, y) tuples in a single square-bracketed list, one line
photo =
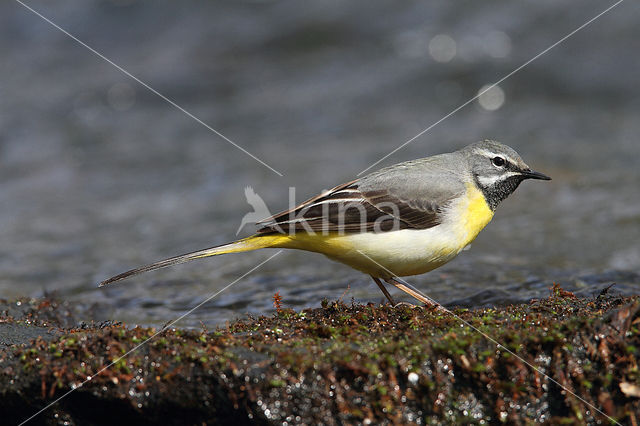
[(499, 191)]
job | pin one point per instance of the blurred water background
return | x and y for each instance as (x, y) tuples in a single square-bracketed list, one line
[(99, 175)]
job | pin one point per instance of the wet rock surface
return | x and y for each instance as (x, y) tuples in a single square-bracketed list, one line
[(341, 363)]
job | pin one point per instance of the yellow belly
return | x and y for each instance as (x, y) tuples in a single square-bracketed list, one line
[(407, 251), (475, 214)]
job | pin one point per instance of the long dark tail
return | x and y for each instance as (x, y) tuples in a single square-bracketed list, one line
[(254, 242)]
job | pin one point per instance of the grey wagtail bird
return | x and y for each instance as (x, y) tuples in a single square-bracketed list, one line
[(406, 219)]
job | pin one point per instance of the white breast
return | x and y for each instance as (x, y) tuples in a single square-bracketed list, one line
[(398, 253)]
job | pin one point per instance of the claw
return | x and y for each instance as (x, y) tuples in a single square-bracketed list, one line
[(407, 304)]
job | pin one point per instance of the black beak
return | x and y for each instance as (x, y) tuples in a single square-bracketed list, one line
[(530, 174)]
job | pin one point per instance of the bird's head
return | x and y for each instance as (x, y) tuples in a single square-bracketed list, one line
[(497, 170)]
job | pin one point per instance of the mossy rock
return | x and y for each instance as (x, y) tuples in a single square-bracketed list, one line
[(336, 364)]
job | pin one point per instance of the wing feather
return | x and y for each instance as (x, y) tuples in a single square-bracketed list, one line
[(349, 209)]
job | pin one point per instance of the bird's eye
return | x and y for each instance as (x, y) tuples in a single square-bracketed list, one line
[(498, 161)]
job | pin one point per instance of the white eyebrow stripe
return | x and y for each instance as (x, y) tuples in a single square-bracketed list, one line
[(489, 181), (490, 154)]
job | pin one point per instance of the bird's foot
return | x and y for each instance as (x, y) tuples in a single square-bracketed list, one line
[(407, 304), (436, 307)]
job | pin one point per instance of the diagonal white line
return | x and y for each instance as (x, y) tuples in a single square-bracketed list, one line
[(498, 344), (492, 85), (145, 85), (169, 324)]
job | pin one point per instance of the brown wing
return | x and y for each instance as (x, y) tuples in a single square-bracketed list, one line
[(347, 209)]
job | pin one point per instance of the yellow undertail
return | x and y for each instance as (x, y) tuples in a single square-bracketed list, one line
[(253, 242)]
